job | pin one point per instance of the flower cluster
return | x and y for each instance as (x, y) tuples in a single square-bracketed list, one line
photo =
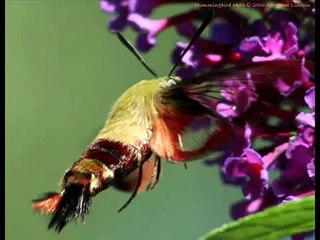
[(273, 126)]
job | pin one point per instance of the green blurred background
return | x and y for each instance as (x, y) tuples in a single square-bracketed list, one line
[(63, 72)]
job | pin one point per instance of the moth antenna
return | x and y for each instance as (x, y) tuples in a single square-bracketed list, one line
[(204, 24), (135, 52)]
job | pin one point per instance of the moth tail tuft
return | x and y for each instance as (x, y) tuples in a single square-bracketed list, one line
[(47, 204), (71, 204)]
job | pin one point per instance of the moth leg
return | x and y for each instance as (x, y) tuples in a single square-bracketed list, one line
[(158, 167), (185, 166), (134, 193), (139, 180)]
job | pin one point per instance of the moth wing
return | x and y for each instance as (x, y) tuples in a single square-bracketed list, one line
[(184, 136), (185, 133), (263, 73)]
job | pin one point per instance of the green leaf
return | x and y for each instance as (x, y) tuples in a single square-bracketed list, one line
[(273, 223)]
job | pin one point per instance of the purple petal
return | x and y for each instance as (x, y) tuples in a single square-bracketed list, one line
[(291, 42), (186, 29), (233, 168), (188, 57), (252, 156), (306, 134), (252, 46), (255, 189), (247, 135), (286, 87), (310, 98), (213, 57), (142, 23), (145, 7), (244, 208), (295, 171), (149, 29), (185, 72), (311, 169), (302, 236), (280, 188), (120, 22), (273, 46), (307, 119), (291, 198), (145, 42), (109, 6), (296, 145), (251, 166), (142, 7), (226, 110), (239, 95), (271, 157), (245, 97), (258, 183)]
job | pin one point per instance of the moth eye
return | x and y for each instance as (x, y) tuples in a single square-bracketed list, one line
[(171, 82), (96, 175)]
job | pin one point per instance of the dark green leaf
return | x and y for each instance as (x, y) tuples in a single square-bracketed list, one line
[(274, 223)]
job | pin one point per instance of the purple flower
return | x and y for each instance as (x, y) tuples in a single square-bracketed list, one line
[(298, 170), (203, 54), (250, 166), (239, 95), (246, 207), (307, 120), (124, 9), (295, 176), (275, 45), (215, 51), (120, 22), (149, 29)]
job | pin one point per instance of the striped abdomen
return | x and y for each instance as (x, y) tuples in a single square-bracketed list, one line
[(119, 158)]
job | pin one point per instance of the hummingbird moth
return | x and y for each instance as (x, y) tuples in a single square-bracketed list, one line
[(153, 120)]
